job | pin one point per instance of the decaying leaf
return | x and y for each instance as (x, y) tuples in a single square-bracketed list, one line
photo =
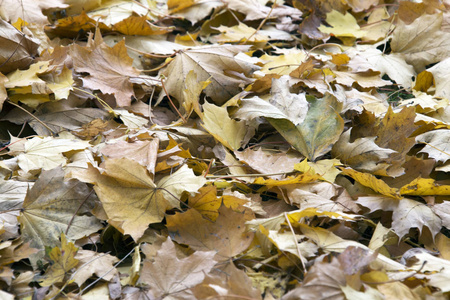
[(219, 64), (171, 276), (227, 235), (54, 206), (62, 261), (252, 149), (109, 68), (132, 200)]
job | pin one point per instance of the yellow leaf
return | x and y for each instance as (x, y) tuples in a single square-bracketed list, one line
[(343, 26), (132, 200), (61, 84), (424, 187), (139, 25), (303, 178), (224, 129), (206, 202), (178, 5), (375, 276), (372, 182), (192, 93), (295, 216), (62, 261)]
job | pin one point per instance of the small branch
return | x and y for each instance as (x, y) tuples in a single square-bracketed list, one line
[(33, 116), (170, 100), (262, 23), (247, 175)]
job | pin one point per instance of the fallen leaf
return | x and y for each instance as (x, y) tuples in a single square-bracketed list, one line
[(18, 50), (219, 64), (45, 153), (171, 276), (132, 200), (422, 42), (227, 235), (109, 68), (226, 130), (53, 206), (407, 213), (100, 264), (62, 261)]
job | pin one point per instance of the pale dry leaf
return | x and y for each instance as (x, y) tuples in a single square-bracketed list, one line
[(219, 64), (46, 153), (171, 277), (52, 207), (266, 162), (437, 144), (441, 76), (109, 68), (28, 10), (362, 154), (231, 282), (422, 42), (91, 262), (143, 152), (407, 213), (294, 106), (323, 281), (226, 130)]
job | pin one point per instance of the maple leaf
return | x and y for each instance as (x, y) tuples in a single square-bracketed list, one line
[(323, 281), (343, 26), (45, 153), (226, 130), (440, 77), (437, 144), (132, 200), (422, 42), (170, 276), (18, 50), (109, 69), (219, 64), (227, 235), (143, 152), (62, 260), (100, 264), (407, 213), (29, 11), (316, 132), (236, 283), (267, 162), (52, 206), (57, 116)]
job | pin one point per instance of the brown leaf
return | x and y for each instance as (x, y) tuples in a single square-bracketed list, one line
[(109, 68), (52, 206), (234, 282), (132, 200), (216, 63), (170, 276), (323, 281), (18, 50), (227, 236)]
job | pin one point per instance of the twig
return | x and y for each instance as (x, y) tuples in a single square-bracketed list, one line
[(302, 259), (246, 175), (262, 23), (33, 116), (170, 100), (109, 271)]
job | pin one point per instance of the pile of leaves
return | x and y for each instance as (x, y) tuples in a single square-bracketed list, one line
[(245, 149)]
